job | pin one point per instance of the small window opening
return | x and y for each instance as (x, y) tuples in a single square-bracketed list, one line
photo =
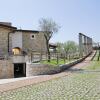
[(32, 36)]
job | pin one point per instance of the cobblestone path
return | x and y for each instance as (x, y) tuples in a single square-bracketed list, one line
[(81, 85)]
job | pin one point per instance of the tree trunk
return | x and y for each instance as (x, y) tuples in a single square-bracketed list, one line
[(48, 52), (47, 45)]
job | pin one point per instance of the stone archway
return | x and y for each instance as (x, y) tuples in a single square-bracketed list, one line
[(16, 51)]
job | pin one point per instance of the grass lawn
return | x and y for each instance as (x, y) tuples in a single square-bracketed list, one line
[(95, 65), (54, 61)]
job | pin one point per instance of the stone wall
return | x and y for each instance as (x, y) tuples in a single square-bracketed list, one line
[(40, 69), (36, 44), (6, 69), (4, 31), (4, 40)]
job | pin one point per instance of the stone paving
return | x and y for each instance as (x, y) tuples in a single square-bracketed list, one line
[(81, 85)]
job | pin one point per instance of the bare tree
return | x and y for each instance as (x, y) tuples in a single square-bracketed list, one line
[(49, 27)]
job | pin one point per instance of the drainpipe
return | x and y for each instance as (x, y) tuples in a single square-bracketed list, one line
[(8, 41)]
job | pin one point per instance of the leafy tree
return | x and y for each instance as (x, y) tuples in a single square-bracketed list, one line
[(49, 27), (70, 47), (59, 47)]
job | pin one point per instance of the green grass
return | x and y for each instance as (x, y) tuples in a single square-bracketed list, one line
[(54, 61), (95, 65)]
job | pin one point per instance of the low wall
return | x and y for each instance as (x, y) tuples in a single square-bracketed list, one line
[(69, 65), (6, 69), (41, 69)]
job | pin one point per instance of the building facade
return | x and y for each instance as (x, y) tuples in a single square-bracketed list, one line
[(18, 44), (15, 41)]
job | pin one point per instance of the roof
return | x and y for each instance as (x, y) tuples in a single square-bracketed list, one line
[(33, 31), (52, 45), (8, 26)]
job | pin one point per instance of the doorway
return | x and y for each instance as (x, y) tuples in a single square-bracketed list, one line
[(19, 70)]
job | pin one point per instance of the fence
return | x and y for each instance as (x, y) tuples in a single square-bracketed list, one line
[(43, 56)]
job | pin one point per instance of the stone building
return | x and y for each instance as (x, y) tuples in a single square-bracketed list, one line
[(5, 29), (13, 40), (17, 44)]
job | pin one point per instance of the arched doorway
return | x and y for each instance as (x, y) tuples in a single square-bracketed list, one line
[(16, 51)]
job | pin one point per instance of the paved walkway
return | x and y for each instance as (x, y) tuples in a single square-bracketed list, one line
[(10, 84)]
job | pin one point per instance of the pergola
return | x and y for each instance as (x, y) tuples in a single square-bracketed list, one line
[(85, 45)]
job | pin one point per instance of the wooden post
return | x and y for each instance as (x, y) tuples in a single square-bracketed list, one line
[(31, 57), (41, 56), (57, 59), (64, 58)]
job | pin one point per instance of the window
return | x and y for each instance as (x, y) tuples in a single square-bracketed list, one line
[(32, 36)]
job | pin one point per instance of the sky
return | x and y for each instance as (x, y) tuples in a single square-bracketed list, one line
[(74, 16)]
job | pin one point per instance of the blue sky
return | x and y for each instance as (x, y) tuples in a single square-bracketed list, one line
[(74, 16)]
